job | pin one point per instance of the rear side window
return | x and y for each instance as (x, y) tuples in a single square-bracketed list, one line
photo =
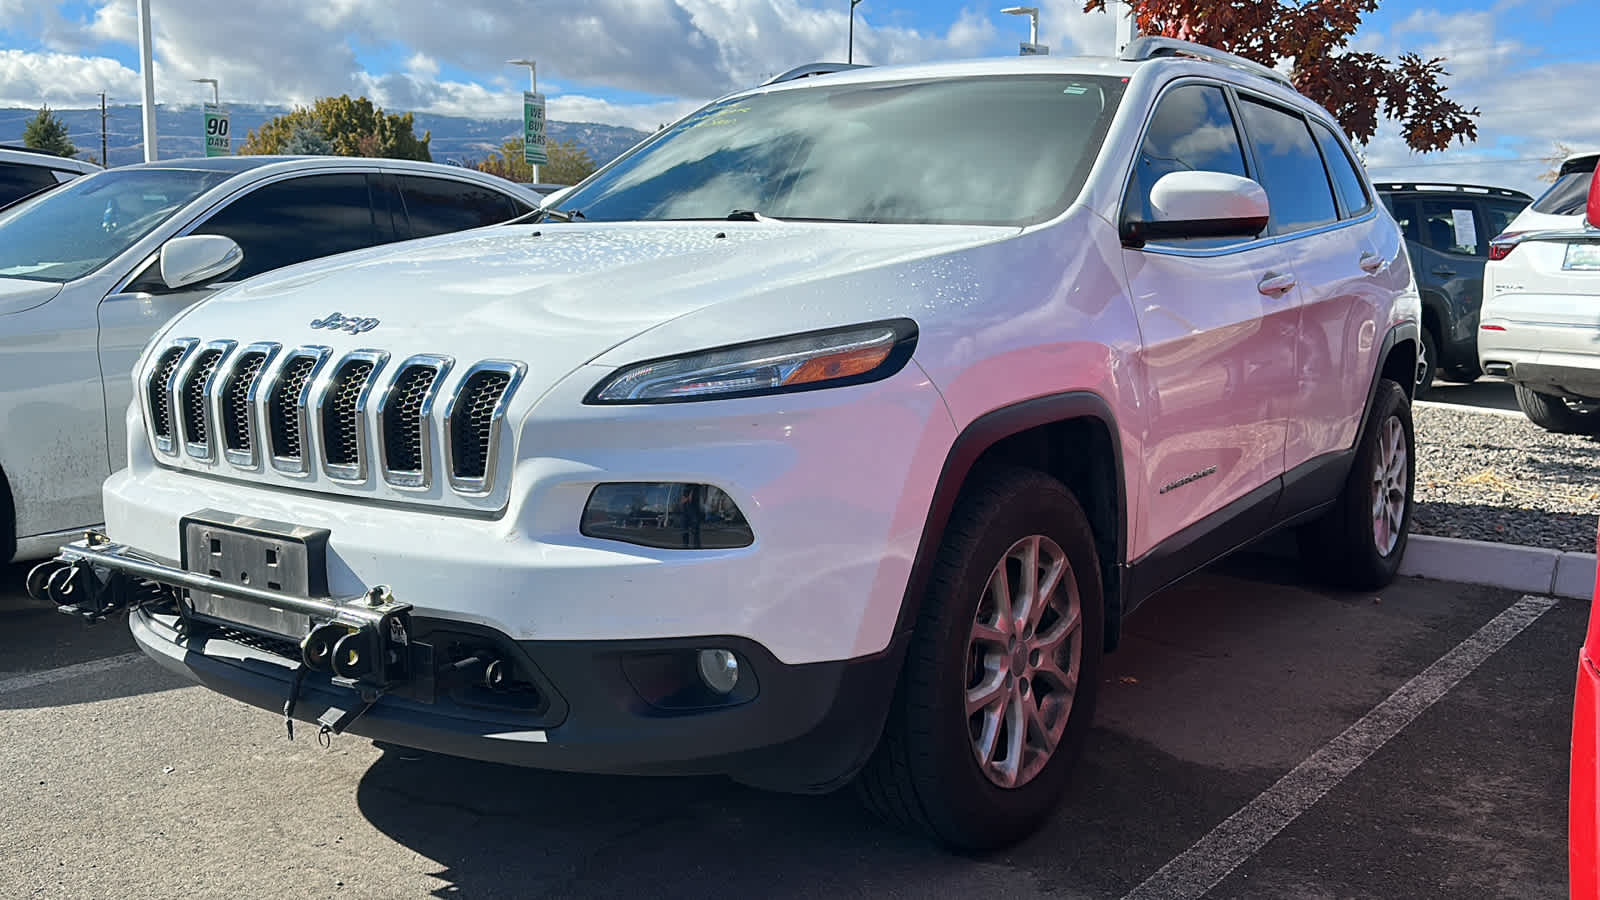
[(1570, 194), (20, 181), (1347, 182), (441, 206), (1290, 168), (299, 219), (1192, 130), (1451, 226), (1497, 215)]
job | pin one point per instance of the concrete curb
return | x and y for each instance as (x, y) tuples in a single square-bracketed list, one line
[(1530, 570)]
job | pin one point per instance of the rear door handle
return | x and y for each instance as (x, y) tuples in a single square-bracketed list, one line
[(1443, 271), (1275, 284), (1372, 262)]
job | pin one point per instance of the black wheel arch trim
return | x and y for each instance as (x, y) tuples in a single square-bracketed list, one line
[(977, 438), (1401, 331)]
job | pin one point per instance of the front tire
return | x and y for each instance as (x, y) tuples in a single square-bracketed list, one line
[(1359, 543), (1554, 415), (998, 688)]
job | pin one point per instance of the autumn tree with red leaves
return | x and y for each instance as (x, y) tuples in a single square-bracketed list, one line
[(1355, 86)]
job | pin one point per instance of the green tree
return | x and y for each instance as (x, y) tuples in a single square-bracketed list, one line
[(351, 127), (307, 140), (48, 133), (569, 163), (1314, 35)]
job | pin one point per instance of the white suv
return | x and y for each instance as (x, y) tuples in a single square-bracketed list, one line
[(828, 435), (1540, 323)]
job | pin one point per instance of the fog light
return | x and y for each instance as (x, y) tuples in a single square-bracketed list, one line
[(719, 669), (669, 516)]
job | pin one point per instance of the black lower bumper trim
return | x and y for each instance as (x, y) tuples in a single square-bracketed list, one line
[(807, 728)]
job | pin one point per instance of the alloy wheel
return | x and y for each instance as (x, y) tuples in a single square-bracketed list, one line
[(1390, 471)]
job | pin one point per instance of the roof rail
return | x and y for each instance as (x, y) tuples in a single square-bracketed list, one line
[(810, 69), (1445, 187), (1150, 47)]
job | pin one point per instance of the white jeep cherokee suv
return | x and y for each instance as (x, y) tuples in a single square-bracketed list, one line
[(828, 435)]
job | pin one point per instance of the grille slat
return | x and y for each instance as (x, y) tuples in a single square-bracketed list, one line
[(402, 419), (195, 426), (283, 408), (160, 400), (341, 421), (473, 422), (215, 392), (236, 434)]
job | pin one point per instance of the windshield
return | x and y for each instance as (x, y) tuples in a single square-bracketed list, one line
[(1000, 150), (80, 226)]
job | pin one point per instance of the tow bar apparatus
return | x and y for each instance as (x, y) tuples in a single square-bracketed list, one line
[(362, 642)]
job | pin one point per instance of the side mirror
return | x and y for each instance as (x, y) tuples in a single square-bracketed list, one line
[(1201, 205), (1592, 216), (198, 258)]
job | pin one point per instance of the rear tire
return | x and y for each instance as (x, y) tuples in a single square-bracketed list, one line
[(1462, 374), (1359, 543), (1427, 364), (1554, 415), (941, 766)]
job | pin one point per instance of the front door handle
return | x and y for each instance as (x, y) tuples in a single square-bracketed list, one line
[(1372, 262), (1443, 271), (1275, 284)]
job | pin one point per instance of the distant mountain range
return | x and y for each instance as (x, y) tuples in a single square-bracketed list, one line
[(178, 132)]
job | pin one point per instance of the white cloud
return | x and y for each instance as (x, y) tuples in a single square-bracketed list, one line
[(422, 65), (61, 80)]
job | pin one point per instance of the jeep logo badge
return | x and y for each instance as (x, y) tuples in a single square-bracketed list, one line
[(341, 322)]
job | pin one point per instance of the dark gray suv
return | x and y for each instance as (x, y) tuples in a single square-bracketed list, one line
[(1448, 228)]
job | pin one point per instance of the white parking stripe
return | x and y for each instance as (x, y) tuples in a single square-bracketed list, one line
[(1214, 857), (50, 676)]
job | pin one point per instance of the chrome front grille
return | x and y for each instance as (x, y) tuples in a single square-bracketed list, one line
[(352, 416)]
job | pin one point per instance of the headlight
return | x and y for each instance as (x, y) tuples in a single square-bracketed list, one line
[(854, 355)]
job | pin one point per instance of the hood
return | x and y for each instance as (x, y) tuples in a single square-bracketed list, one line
[(18, 294), (554, 296)]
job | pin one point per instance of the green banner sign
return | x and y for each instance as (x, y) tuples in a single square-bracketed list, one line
[(216, 130), (533, 150)]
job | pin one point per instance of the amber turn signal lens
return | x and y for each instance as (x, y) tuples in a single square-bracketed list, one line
[(840, 365)]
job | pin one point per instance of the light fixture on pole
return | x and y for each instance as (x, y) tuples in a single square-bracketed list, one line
[(1032, 47), (1127, 26), (147, 69), (215, 101), (533, 149), (850, 54)]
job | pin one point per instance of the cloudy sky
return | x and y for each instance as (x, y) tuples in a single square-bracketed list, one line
[(1527, 64)]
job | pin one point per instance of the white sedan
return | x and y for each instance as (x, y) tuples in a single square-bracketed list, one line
[(90, 270)]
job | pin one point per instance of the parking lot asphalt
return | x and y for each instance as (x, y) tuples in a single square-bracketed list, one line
[(1256, 737)]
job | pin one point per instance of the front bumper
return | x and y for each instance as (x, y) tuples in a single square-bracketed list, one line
[(634, 707)]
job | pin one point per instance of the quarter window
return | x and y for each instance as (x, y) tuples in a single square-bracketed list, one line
[(297, 220), (1291, 169), (1348, 184), (1498, 215), (19, 181)]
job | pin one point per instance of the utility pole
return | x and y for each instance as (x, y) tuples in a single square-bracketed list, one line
[(850, 54), (147, 68), (103, 161)]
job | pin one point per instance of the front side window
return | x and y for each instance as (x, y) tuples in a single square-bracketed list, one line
[(1001, 150), (80, 226), (296, 220), (1291, 169), (1192, 130), (1451, 226)]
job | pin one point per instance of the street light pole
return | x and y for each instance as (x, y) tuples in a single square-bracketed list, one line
[(147, 68), (213, 82), (1127, 26), (850, 54), (1032, 12), (533, 87)]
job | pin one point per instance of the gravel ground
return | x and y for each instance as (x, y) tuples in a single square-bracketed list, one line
[(1488, 477)]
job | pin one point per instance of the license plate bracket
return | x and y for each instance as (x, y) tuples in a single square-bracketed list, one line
[(258, 553)]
